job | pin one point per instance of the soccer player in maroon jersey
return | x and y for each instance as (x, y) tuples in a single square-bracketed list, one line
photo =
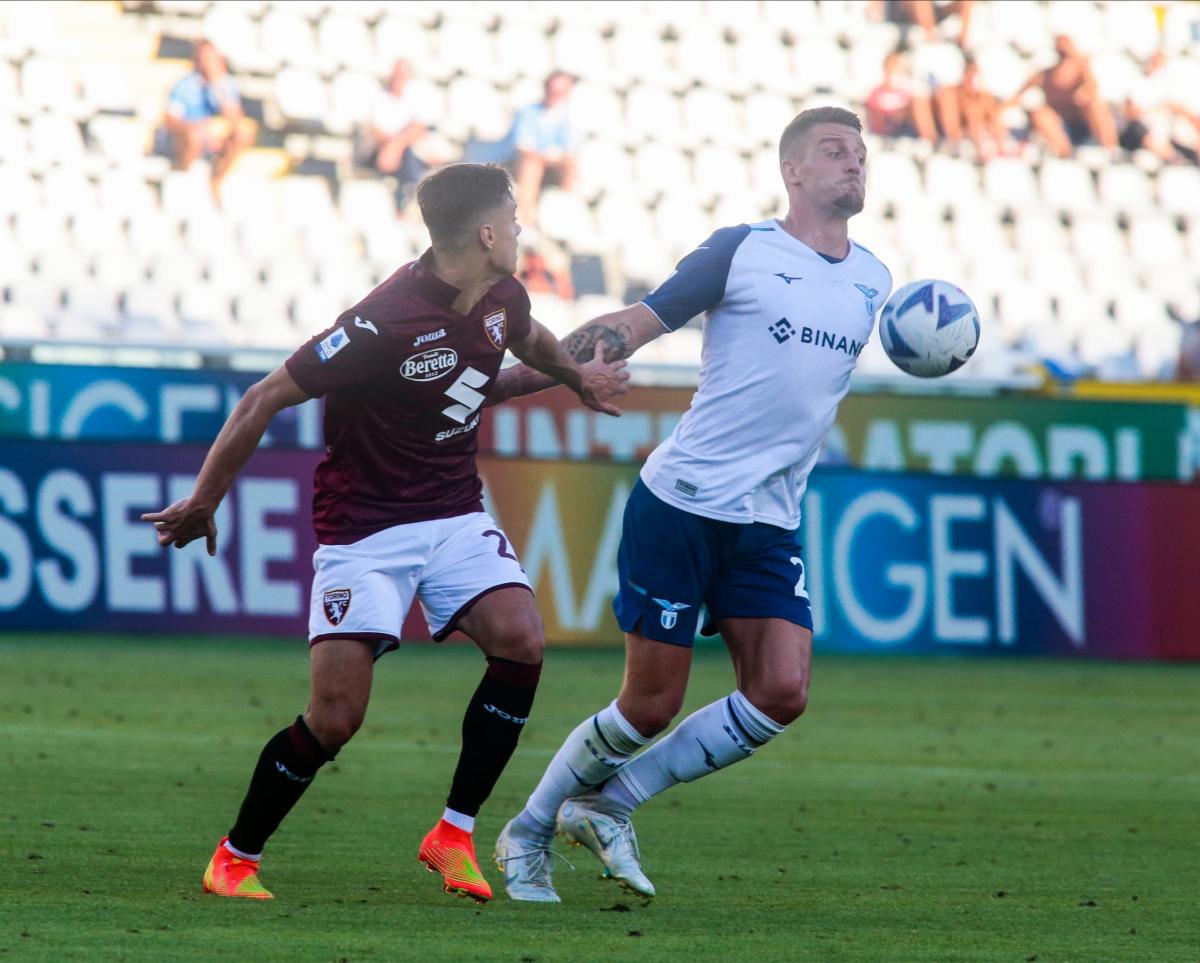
[(397, 510)]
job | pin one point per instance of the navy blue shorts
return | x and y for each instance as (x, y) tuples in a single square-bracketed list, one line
[(671, 563)]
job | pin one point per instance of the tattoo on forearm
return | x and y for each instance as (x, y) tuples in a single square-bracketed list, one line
[(581, 345)]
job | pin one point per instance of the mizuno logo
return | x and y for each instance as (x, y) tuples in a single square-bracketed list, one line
[(786, 279)]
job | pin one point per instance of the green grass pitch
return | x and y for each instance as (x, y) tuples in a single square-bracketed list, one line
[(924, 809)]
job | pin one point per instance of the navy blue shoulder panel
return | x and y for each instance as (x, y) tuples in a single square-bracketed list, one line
[(699, 281)]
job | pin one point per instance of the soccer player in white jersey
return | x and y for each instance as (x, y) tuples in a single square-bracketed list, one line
[(713, 520)]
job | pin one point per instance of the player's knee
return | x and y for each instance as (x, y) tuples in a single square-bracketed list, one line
[(781, 700), (520, 639), (650, 716), (333, 725)]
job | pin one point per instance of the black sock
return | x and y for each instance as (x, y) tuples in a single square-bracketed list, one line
[(492, 725), (285, 769)]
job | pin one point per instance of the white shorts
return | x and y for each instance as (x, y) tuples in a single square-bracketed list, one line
[(364, 590)]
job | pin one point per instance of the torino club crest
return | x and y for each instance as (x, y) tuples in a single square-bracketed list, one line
[(493, 324), (337, 604)]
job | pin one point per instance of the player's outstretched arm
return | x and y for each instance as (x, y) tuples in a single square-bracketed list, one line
[(595, 381), (606, 339), (194, 517)]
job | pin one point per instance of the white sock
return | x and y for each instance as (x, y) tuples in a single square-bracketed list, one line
[(240, 855), (461, 820), (711, 738), (597, 748)]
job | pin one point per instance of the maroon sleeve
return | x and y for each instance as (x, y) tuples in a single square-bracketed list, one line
[(346, 353), (520, 321)]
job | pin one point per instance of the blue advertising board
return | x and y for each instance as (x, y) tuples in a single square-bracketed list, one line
[(893, 562)]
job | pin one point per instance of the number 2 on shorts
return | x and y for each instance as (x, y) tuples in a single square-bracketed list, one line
[(502, 548)]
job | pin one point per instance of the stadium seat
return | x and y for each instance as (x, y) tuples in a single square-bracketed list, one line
[(762, 61), (1124, 188), (21, 323), (523, 50), (619, 216), (595, 109), (580, 50), (1156, 348), (892, 178), (287, 39), (604, 167), (92, 304), (709, 117), (653, 113), (474, 107), (351, 101), (230, 271), (681, 222), (702, 56), (818, 63), (643, 260), (464, 45), (1179, 192), (639, 58), (55, 139), (719, 170), (1067, 185), (263, 318), (301, 95), (344, 42), (659, 168), (765, 113), (564, 217), (948, 178), (1154, 240), (234, 31), (364, 202), (553, 312), (1009, 183)]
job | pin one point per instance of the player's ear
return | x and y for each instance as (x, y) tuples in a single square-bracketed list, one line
[(487, 236)]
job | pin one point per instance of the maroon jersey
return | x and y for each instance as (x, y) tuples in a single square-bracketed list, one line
[(405, 376)]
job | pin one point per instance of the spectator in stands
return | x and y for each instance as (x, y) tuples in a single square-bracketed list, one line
[(543, 144), (541, 275), (981, 114), (928, 15), (1063, 102), (398, 141), (205, 116), (893, 109), (1189, 353), (1152, 113)]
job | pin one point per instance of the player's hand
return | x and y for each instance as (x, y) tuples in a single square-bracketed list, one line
[(603, 380), (185, 522)]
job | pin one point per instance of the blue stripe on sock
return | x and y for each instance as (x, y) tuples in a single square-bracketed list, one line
[(608, 745), (741, 723)]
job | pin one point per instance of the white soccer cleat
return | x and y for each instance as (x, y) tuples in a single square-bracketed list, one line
[(525, 861), (585, 821)]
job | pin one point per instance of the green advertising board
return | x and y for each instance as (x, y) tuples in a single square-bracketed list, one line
[(1016, 436)]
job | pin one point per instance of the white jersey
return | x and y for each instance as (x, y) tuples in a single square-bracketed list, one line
[(783, 332)]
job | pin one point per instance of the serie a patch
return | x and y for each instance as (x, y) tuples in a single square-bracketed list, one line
[(331, 344), (336, 603)]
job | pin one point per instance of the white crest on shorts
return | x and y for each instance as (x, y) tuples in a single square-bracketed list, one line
[(493, 324), (671, 610), (337, 604)]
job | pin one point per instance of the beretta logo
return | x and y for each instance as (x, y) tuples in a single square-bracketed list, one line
[(429, 365)]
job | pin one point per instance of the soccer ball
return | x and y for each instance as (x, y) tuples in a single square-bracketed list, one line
[(929, 328)]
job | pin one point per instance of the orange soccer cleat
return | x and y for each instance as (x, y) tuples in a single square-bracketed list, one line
[(229, 875), (451, 851)]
